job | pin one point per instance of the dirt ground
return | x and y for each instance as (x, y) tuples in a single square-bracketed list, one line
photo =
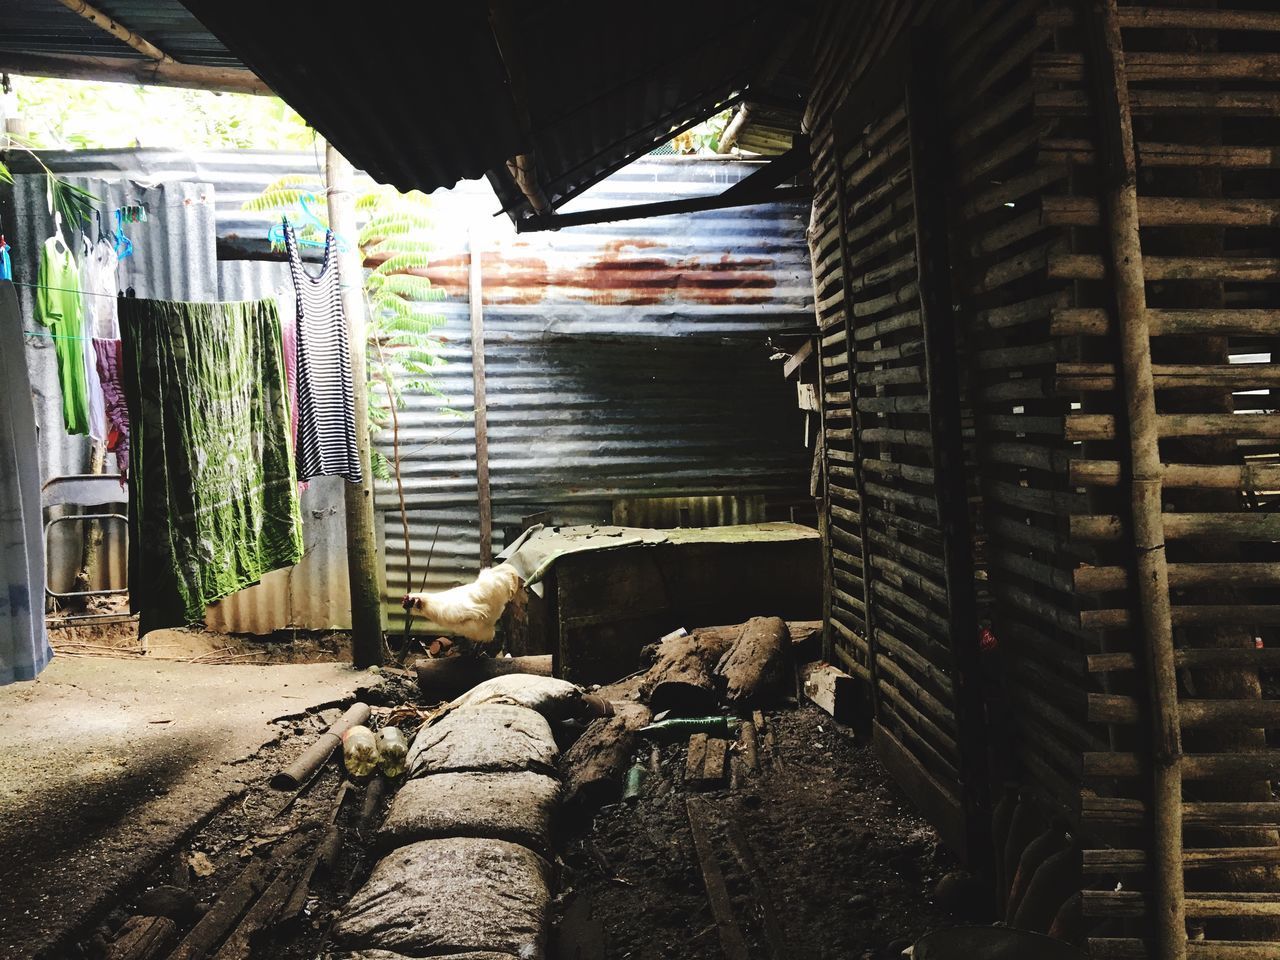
[(822, 842), (822, 857), (194, 874)]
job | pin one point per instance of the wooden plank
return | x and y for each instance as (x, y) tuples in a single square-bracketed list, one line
[(829, 688), (715, 764), (936, 800), (731, 939), (695, 759), (485, 502)]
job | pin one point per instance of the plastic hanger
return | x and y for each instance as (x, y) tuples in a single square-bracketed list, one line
[(308, 218), (124, 246), (57, 232)]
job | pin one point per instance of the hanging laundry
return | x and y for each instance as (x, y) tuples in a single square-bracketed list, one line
[(107, 354), (6, 265), (326, 405), (289, 340), (58, 307), (24, 645), (213, 501), (98, 284)]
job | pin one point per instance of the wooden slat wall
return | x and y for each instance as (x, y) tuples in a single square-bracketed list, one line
[(893, 604), (1054, 449), (1039, 355)]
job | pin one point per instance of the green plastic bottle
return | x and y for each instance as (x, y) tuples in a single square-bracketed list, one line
[(681, 728)]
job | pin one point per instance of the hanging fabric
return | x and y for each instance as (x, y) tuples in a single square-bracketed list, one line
[(24, 645), (326, 406), (58, 306), (213, 501), (98, 284), (107, 354), (6, 265)]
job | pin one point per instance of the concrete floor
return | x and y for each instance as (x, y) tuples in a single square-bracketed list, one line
[(108, 763)]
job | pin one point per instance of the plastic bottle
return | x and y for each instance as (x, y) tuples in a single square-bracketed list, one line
[(681, 728), (393, 747), (359, 751)]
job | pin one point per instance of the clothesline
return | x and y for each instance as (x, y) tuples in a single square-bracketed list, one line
[(90, 293)]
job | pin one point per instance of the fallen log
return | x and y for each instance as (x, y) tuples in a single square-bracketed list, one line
[(754, 665), (450, 677), (299, 773), (144, 938), (594, 767), (683, 678)]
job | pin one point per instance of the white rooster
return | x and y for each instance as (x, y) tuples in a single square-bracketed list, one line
[(470, 611)]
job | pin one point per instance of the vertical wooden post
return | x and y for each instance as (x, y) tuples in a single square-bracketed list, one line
[(476, 294), (362, 554), (1118, 170), (928, 153)]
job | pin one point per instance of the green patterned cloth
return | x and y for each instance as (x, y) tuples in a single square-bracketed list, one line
[(213, 500)]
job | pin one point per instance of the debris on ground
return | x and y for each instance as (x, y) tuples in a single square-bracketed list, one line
[(537, 818)]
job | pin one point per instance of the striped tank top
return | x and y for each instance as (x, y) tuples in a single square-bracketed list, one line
[(326, 442)]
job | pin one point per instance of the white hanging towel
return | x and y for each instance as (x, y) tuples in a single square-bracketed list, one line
[(24, 644)]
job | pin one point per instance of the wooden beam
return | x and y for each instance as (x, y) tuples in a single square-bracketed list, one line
[(362, 553), (485, 503), (120, 70), (117, 30), (661, 208)]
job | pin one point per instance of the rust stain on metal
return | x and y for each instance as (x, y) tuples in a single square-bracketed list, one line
[(640, 281), (616, 277)]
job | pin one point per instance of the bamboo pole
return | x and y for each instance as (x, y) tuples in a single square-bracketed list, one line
[(117, 30), (1119, 169), (362, 554), (120, 70)]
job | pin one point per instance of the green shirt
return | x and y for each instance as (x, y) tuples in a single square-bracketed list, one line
[(58, 307)]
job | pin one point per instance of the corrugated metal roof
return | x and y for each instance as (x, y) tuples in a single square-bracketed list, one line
[(47, 26), (461, 89), (455, 91)]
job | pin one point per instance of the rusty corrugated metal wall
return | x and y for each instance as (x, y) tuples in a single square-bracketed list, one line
[(623, 360)]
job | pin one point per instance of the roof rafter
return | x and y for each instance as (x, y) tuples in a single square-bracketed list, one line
[(117, 30)]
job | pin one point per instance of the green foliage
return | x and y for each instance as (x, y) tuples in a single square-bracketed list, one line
[(75, 205), (81, 115)]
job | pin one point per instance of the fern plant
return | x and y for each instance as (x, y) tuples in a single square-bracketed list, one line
[(403, 353)]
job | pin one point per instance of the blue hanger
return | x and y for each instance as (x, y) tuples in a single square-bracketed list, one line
[(308, 218), (124, 246)]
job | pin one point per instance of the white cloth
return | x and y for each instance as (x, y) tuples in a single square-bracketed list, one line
[(98, 289), (24, 644)]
